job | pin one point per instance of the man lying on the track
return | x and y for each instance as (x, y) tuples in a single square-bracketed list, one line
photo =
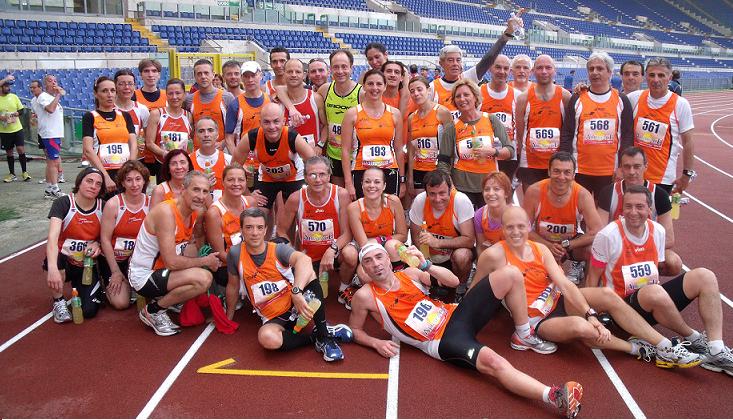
[(275, 277), (400, 302), (625, 257), (165, 266), (556, 307)]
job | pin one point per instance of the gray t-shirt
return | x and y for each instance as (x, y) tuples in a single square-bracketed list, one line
[(282, 253)]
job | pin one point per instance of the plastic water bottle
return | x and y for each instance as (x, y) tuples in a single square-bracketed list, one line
[(88, 274), (323, 280), (424, 248), (518, 29), (76, 313), (314, 303), (406, 258), (676, 198)]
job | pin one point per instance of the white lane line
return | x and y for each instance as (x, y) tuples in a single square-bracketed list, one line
[(713, 166), (619, 385), (168, 382), (25, 332), (712, 129), (723, 297), (711, 111), (393, 384), (695, 199), (22, 251)]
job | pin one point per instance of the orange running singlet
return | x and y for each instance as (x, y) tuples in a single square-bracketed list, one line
[(542, 295), (597, 134), (111, 140), (652, 132), (374, 140), (503, 109), (557, 223), (636, 266), (268, 286), (542, 133), (383, 226), (318, 225), (442, 227), (215, 109), (249, 116), (424, 135), (184, 230), (472, 143), (279, 167), (77, 230)]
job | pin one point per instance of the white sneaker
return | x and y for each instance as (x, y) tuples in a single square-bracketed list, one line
[(61, 179), (61, 312), (576, 273), (159, 322), (677, 356)]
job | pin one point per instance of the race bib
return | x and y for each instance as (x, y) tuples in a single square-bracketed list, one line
[(440, 255), (638, 275), (114, 153), (545, 302), (426, 149), (650, 133), (544, 139), (556, 232), (74, 249), (317, 232), (455, 114), (277, 172), (236, 238), (172, 140), (474, 147), (426, 318), (181, 248), (266, 291), (599, 131), (310, 139), (335, 129), (506, 120), (379, 156), (124, 246)]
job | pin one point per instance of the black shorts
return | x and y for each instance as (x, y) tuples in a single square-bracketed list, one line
[(91, 295), (558, 312), (157, 284), (477, 199), (154, 169), (336, 168), (270, 190), (666, 187), (531, 176), (221, 276), (417, 177), (594, 184), (458, 344), (391, 179), (105, 271), (284, 321), (10, 140), (509, 167), (674, 290)]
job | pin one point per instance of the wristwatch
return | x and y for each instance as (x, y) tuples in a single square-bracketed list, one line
[(689, 173), (591, 312), (565, 243), (402, 178), (296, 290), (335, 248)]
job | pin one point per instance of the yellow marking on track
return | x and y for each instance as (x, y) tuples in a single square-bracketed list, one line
[(218, 368)]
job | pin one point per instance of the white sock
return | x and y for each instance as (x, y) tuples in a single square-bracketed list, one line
[(715, 346), (342, 287), (522, 330), (694, 336), (546, 394), (634, 349), (665, 343)]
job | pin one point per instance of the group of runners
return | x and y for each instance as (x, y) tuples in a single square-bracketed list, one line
[(288, 184)]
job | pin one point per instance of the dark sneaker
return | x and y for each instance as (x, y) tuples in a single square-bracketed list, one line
[(341, 333), (331, 351)]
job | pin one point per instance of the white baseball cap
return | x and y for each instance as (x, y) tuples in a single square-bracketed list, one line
[(251, 66)]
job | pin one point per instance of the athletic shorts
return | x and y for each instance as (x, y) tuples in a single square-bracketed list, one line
[(221, 276), (509, 167), (417, 179), (154, 169), (270, 190), (477, 199), (52, 148), (91, 297), (530, 176), (674, 290), (286, 320), (666, 187), (105, 271), (558, 312), (336, 168), (10, 140), (391, 178), (458, 344), (594, 184), (156, 285)]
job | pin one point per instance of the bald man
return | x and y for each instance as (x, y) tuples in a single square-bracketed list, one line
[(498, 98), (539, 114), (280, 152), (558, 311)]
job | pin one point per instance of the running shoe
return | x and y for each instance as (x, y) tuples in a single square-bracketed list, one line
[(646, 351), (341, 333), (576, 272), (699, 345), (331, 351), (53, 194), (677, 356), (721, 362), (10, 178), (42, 181), (176, 308), (159, 322), (532, 342), (345, 296), (61, 179), (567, 399), (26, 176), (61, 312)]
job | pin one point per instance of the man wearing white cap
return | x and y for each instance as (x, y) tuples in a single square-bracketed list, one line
[(244, 113), (447, 332)]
